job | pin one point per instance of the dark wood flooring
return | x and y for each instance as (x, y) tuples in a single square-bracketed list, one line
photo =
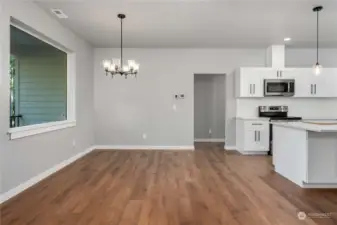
[(202, 187)]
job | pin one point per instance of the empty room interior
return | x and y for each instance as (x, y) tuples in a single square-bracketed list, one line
[(168, 112)]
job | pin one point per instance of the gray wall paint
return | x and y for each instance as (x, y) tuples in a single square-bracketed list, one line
[(209, 106), (25, 158), (126, 108)]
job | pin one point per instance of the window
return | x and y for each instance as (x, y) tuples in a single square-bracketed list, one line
[(41, 84)]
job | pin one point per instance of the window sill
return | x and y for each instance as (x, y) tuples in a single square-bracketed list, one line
[(21, 132)]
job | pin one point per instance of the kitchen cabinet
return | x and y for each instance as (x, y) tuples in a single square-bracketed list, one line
[(304, 81), (311, 86), (252, 136), (326, 83), (280, 74), (249, 82)]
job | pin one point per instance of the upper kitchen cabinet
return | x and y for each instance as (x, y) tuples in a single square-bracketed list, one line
[(249, 81), (304, 81), (327, 83), (308, 85), (285, 73)]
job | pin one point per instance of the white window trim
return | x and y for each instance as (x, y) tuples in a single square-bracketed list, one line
[(25, 131), (21, 132)]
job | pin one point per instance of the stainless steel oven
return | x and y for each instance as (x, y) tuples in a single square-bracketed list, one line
[(279, 87)]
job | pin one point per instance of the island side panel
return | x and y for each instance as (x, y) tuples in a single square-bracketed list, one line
[(290, 153), (322, 157)]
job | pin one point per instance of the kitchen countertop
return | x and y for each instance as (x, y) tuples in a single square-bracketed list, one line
[(253, 118), (311, 125)]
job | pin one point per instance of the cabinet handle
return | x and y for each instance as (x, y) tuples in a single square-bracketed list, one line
[(254, 89), (250, 88), (315, 88), (281, 73), (259, 135), (255, 136), (257, 124), (277, 74), (311, 89)]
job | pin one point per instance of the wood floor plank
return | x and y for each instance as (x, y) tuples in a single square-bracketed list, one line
[(205, 186)]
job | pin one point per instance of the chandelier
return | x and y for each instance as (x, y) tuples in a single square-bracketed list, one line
[(116, 66)]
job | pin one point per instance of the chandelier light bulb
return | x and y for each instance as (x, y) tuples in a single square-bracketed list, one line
[(317, 69), (136, 67), (126, 68), (112, 68), (131, 63), (117, 62), (106, 64)]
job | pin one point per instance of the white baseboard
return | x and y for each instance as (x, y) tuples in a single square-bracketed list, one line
[(253, 153), (209, 140), (20, 188), (230, 148), (143, 147), (321, 186)]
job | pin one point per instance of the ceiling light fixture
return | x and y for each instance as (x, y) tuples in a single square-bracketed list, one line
[(116, 66), (317, 67), (287, 39)]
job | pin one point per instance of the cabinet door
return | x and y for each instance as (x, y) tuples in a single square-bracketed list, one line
[(263, 138), (304, 81), (250, 142), (289, 73), (256, 136), (251, 81), (326, 83)]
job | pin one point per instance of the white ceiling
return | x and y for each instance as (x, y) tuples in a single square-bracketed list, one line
[(199, 23)]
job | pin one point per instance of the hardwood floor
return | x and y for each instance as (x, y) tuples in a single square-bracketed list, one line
[(204, 187)]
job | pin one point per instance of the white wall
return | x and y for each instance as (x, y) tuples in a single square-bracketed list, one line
[(25, 158), (209, 106), (124, 109)]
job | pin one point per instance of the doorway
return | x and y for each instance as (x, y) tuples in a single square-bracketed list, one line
[(209, 108)]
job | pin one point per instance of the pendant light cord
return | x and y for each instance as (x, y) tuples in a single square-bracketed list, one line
[(121, 43), (317, 35)]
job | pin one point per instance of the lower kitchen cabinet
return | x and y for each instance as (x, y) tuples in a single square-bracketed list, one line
[(252, 136)]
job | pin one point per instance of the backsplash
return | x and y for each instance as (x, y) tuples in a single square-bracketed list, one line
[(306, 108)]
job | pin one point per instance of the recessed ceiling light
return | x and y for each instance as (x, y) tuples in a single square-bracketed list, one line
[(287, 39), (59, 13)]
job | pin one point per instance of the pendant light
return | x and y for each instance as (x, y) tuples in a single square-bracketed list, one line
[(116, 66), (317, 67)]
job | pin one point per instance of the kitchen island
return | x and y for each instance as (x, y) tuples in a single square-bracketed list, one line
[(306, 152)]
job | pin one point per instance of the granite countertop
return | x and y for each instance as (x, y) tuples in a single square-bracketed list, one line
[(266, 119), (315, 126)]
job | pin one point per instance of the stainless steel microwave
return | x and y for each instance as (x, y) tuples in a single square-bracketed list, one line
[(279, 87)]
